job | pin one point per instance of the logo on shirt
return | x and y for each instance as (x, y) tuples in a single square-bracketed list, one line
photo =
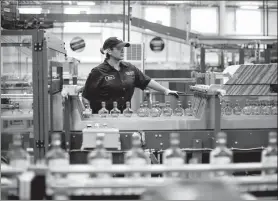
[(109, 77), (130, 73)]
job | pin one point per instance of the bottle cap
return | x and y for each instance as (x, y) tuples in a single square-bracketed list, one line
[(222, 135), (136, 139), (55, 136)]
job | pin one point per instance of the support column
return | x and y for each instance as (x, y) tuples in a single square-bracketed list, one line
[(241, 56), (222, 29)]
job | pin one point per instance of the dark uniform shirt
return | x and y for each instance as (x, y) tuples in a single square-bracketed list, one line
[(105, 83)]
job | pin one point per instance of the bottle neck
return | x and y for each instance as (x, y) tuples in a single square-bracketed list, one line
[(56, 144), (136, 144)]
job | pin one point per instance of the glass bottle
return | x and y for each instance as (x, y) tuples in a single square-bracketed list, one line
[(154, 112), (87, 112), (228, 109), (179, 110), (56, 156), (174, 156), (158, 108), (189, 110), (269, 155), (274, 108), (115, 112), (247, 108), (18, 157), (103, 112), (257, 108), (99, 157), (237, 108), (167, 110), (265, 109), (136, 157), (146, 108), (221, 154), (128, 111), (141, 111)]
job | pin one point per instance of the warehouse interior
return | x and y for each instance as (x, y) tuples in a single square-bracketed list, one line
[(215, 137)]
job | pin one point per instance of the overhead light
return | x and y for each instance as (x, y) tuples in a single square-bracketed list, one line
[(176, 2), (86, 3), (249, 7), (78, 10), (30, 10)]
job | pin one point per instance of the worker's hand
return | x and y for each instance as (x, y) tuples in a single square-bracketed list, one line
[(65, 93), (172, 93)]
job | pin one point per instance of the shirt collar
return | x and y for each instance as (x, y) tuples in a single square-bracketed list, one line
[(121, 64)]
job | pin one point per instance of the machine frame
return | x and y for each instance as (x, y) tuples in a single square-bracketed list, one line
[(41, 42)]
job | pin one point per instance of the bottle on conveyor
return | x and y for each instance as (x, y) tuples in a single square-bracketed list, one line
[(237, 109), (103, 112), (136, 157), (154, 112), (174, 156), (99, 157), (269, 155), (179, 110), (18, 157), (146, 109), (189, 110), (128, 111), (221, 154), (115, 112), (87, 112), (56, 156), (167, 110), (141, 111)]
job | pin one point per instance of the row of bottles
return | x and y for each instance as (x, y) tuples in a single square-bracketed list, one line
[(143, 111), (137, 157), (250, 108)]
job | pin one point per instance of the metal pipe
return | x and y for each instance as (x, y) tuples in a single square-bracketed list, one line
[(128, 19), (41, 169), (263, 17), (267, 10), (123, 19)]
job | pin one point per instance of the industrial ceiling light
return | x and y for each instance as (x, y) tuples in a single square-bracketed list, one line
[(30, 10), (249, 7), (177, 2), (86, 3)]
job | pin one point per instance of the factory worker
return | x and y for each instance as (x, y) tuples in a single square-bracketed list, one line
[(115, 79)]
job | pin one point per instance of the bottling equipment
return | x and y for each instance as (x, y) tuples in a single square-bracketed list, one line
[(31, 82)]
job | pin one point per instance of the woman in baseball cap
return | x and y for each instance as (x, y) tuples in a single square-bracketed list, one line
[(115, 79)]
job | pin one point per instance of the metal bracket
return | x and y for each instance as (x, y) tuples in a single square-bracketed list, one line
[(38, 47), (39, 144)]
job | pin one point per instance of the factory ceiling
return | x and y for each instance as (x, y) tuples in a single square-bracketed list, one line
[(271, 4)]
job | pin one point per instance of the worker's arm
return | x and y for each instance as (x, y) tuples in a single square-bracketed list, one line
[(158, 87), (142, 81)]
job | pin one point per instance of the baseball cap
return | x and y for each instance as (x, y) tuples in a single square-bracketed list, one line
[(113, 42)]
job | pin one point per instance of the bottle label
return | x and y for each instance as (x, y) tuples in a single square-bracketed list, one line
[(100, 163), (20, 163), (270, 160), (175, 161), (220, 161), (58, 162), (136, 162)]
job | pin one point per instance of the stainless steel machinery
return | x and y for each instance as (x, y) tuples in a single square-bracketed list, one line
[(245, 132), (31, 81)]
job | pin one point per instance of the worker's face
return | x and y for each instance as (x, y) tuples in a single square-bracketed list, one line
[(117, 53)]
